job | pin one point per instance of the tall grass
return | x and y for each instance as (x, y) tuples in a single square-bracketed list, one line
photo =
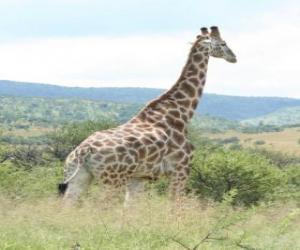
[(151, 223)]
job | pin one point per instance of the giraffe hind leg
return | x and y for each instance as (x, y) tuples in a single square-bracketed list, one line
[(134, 189), (75, 187)]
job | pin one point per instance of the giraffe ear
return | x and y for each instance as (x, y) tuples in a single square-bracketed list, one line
[(204, 31), (214, 32)]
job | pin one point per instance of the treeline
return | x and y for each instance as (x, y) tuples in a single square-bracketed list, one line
[(229, 107), (24, 113)]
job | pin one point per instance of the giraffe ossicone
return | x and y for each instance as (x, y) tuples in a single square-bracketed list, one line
[(152, 143)]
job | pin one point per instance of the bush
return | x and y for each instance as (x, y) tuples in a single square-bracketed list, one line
[(277, 158), (217, 172), (291, 188), (18, 183), (21, 140), (233, 139), (260, 129), (293, 176), (259, 142), (66, 138), (25, 157), (235, 146)]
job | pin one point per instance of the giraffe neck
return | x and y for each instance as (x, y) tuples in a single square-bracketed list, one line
[(181, 100), (188, 89)]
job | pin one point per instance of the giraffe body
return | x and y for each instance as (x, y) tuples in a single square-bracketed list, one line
[(135, 151), (154, 142)]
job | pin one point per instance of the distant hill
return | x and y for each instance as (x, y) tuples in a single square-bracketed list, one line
[(281, 117), (25, 112), (228, 107), (212, 124), (124, 95)]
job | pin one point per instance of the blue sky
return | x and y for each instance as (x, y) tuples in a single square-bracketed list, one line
[(145, 43)]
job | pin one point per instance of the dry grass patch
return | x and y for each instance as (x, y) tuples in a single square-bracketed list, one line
[(285, 141)]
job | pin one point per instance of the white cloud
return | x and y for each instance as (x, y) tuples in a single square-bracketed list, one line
[(267, 59), (95, 61)]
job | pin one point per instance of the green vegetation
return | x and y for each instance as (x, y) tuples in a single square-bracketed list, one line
[(282, 117), (213, 124), (23, 113), (259, 142), (229, 107), (277, 158), (232, 139), (236, 199), (152, 224), (259, 128), (216, 172), (22, 184), (66, 138)]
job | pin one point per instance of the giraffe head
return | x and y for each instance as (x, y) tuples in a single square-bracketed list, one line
[(217, 46)]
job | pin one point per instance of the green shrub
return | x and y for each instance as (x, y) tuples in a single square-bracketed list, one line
[(66, 138), (235, 146), (277, 158), (293, 175), (233, 139), (25, 157), (21, 140), (259, 142), (252, 129), (216, 172), (291, 188), (19, 183)]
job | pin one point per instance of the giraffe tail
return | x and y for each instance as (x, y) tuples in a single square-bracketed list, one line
[(62, 187)]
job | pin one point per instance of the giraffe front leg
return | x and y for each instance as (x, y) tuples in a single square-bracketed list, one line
[(178, 180), (177, 169)]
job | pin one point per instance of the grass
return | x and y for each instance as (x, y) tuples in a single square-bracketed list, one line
[(32, 217), (152, 223), (285, 141)]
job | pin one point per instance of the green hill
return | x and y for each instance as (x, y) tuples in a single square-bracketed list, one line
[(228, 107), (212, 124), (282, 117), (23, 112)]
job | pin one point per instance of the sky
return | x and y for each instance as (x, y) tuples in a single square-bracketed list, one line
[(143, 43)]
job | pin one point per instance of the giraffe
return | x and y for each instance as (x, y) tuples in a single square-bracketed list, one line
[(152, 143)]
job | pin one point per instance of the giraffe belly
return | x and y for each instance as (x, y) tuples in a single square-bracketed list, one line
[(117, 172)]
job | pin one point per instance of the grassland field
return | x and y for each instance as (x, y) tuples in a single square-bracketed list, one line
[(286, 141)]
